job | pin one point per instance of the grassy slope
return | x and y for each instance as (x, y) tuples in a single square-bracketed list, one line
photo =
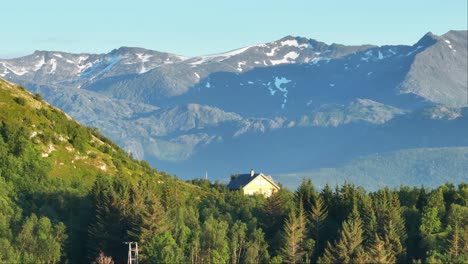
[(73, 163), (50, 164)]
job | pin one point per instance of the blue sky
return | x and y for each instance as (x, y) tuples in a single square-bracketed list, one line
[(211, 26)]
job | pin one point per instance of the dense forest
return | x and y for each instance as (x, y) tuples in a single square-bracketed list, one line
[(69, 195)]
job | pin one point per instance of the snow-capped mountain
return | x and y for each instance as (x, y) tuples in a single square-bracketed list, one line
[(76, 70), (295, 104)]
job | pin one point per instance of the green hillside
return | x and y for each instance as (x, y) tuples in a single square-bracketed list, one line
[(50, 166), (69, 195)]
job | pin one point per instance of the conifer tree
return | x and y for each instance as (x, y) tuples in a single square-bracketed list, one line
[(153, 220), (392, 240), (430, 222), (306, 194), (317, 216), (379, 253), (454, 249), (348, 248), (369, 220), (390, 224), (294, 230)]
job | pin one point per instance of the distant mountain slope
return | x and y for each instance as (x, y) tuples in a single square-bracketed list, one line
[(439, 72), (301, 103), (412, 167)]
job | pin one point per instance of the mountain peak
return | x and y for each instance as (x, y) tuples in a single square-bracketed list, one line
[(428, 39)]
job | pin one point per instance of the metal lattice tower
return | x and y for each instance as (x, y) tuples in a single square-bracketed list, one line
[(132, 252)]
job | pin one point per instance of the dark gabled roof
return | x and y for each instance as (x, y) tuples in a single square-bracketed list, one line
[(241, 181), (244, 179)]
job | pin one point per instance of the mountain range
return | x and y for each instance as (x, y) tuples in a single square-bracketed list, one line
[(293, 108)]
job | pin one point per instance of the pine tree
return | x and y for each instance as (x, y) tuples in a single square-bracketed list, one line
[(153, 220), (348, 248), (395, 247), (390, 224), (317, 216), (430, 222), (454, 249), (379, 253), (305, 193), (292, 250), (302, 224), (369, 220)]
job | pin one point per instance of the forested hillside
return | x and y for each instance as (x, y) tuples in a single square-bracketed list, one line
[(68, 194)]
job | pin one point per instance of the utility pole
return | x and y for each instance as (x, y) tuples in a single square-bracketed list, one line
[(132, 252)]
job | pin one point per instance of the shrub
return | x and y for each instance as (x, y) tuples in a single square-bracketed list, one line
[(38, 96), (20, 100)]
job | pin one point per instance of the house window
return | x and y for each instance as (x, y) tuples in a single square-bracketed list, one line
[(261, 182)]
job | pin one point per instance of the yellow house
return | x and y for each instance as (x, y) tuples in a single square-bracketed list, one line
[(254, 183)]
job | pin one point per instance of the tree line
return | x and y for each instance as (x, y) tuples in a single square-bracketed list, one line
[(46, 218)]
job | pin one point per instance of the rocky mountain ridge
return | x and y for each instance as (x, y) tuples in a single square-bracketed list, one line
[(175, 110)]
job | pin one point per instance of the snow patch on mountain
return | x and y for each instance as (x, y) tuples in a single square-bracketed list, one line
[(53, 66), (280, 85), (143, 57), (217, 57), (231, 53), (240, 64), (39, 64), (272, 52), (84, 68), (82, 58), (318, 59), (288, 58), (11, 68), (449, 45), (294, 43), (380, 57)]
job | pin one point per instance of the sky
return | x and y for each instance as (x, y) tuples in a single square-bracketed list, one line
[(203, 27)]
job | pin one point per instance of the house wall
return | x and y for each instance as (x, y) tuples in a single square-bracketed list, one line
[(259, 186)]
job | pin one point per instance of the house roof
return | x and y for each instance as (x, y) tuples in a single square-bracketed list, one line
[(244, 179)]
